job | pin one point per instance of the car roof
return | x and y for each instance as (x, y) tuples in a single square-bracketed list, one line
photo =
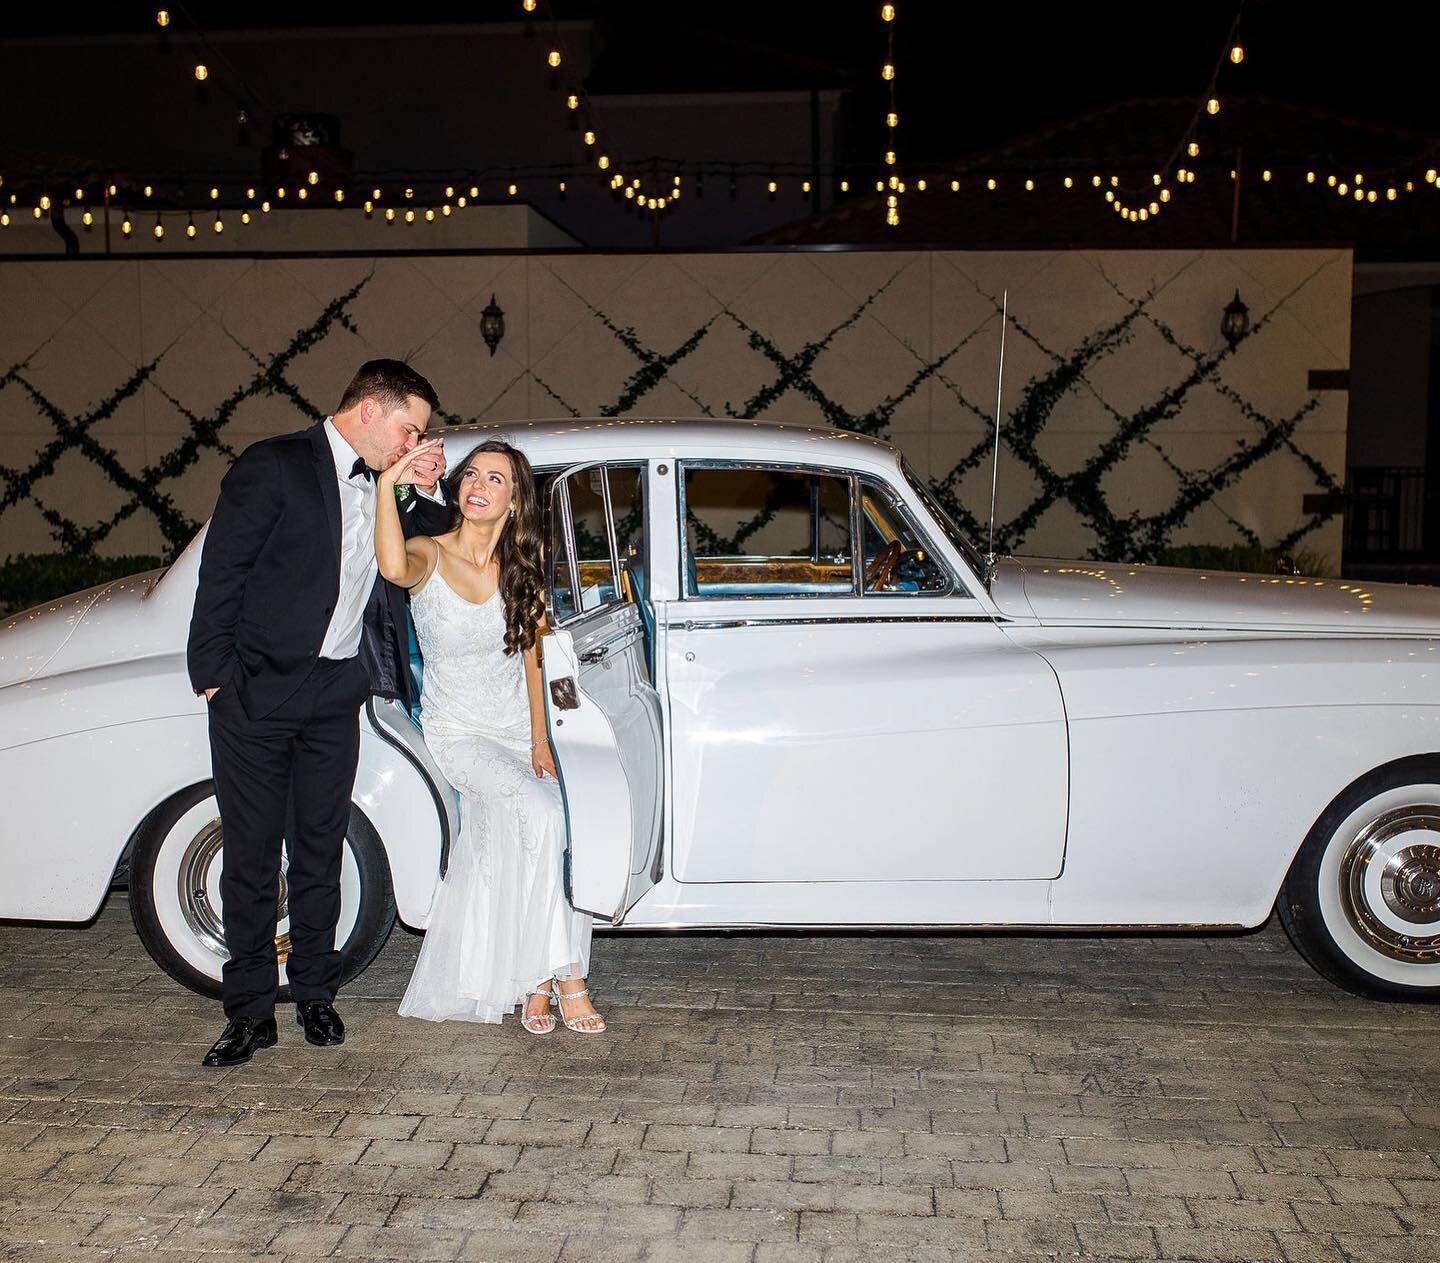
[(599, 438)]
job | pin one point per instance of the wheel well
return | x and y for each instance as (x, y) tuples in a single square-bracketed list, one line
[(121, 872)]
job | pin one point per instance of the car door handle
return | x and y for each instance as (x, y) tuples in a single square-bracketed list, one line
[(594, 655), (563, 693)]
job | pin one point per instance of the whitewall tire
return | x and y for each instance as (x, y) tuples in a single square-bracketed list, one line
[(1362, 899), (175, 902)]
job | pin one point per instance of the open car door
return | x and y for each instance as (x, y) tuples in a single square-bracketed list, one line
[(600, 703)]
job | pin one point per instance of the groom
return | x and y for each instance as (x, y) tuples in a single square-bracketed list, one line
[(292, 630)]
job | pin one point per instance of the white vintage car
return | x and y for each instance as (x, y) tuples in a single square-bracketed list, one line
[(782, 693)]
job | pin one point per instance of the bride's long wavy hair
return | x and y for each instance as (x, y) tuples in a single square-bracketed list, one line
[(522, 573)]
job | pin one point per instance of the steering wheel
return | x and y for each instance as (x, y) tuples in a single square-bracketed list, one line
[(882, 569)]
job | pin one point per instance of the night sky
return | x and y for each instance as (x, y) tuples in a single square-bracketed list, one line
[(969, 75)]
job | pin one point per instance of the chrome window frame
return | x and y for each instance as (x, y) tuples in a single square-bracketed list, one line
[(897, 505), (560, 502), (682, 469), (853, 478)]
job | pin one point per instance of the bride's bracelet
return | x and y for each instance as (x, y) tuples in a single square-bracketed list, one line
[(544, 741)]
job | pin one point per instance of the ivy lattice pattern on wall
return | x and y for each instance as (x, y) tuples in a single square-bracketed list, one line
[(1133, 536)]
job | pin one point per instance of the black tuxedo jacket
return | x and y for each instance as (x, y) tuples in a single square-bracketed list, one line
[(270, 577)]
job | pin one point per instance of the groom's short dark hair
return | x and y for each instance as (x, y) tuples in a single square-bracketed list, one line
[(390, 382)]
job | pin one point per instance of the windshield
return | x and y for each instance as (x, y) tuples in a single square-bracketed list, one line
[(946, 523)]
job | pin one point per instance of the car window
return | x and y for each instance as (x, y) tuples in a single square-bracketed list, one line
[(897, 558), (580, 567), (627, 502), (758, 532)]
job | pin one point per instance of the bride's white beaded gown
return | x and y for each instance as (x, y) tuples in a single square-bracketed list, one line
[(500, 922)]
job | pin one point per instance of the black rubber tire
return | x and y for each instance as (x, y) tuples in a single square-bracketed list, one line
[(1299, 904), (373, 923)]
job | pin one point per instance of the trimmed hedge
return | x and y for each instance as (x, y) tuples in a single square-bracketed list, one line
[(28, 579)]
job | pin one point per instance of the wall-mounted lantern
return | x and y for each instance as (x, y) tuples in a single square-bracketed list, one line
[(492, 324), (1235, 323)]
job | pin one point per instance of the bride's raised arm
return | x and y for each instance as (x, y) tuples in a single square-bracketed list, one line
[(401, 561)]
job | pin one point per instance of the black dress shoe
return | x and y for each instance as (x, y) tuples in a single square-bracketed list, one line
[(322, 1024), (240, 1040)]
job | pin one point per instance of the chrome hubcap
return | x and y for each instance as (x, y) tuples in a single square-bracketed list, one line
[(1390, 884), (197, 889)]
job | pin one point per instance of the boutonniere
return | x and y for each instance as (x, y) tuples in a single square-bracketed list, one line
[(402, 491)]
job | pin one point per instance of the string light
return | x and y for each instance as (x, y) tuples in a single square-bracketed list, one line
[(219, 225), (312, 177), (553, 58), (528, 5), (159, 229), (1193, 149), (887, 71), (887, 12), (190, 227), (245, 217), (1237, 54), (126, 227), (202, 72), (162, 18), (572, 102), (87, 218)]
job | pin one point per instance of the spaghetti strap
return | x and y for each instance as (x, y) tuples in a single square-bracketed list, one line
[(434, 565)]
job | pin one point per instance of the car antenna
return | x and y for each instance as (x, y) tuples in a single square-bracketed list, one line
[(990, 562)]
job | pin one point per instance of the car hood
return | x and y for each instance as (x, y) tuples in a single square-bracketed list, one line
[(90, 628), (1055, 591)]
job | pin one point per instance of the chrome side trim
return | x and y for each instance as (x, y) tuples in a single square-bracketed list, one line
[(932, 927), (696, 624)]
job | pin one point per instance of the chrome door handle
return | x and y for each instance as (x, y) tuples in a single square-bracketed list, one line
[(594, 655)]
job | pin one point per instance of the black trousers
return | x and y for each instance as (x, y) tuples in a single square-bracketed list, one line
[(287, 776)]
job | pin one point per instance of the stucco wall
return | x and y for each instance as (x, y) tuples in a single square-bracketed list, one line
[(127, 385)]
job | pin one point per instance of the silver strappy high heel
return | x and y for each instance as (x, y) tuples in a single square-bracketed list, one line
[(573, 1024), (539, 1023)]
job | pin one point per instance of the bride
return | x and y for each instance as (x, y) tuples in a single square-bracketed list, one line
[(500, 930)]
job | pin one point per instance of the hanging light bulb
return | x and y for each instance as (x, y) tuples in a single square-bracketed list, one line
[(1391, 195), (879, 186), (1237, 54), (214, 193), (302, 192), (889, 157), (1069, 183), (190, 227), (528, 6), (954, 186), (887, 71), (589, 138), (339, 195), (250, 193), (919, 185), (87, 218), (1164, 195), (4, 219), (513, 189), (429, 214), (1154, 208), (887, 12), (280, 194), (771, 187), (202, 72), (461, 202), (245, 217), (126, 227), (389, 214), (264, 207), (219, 224), (44, 201), (1095, 180), (1029, 186), (1212, 106), (629, 192), (603, 162), (79, 195), (892, 119), (1265, 175), (990, 184), (159, 229), (553, 57), (409, 214), (312, 177), (1109, 195), (368, 208), (572, 102), (805, 186), (1309, 177), (162, 18), (149, 190), (474, 191), (1193, 149), (844, 186), (892, 217)]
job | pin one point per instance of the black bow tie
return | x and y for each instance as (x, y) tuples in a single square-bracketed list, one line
[(361, 469)]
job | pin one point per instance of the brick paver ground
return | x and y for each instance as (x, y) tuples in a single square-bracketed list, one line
[(758, 1099)]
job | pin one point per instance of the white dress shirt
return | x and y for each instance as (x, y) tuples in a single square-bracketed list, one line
[(358, 567)]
